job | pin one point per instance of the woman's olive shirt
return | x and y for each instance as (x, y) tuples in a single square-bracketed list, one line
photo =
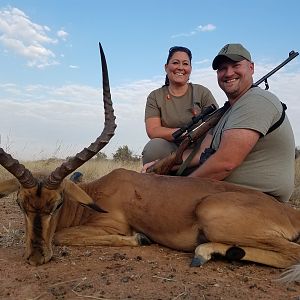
[(176, 112)]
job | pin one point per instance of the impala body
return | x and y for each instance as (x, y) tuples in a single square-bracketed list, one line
[(126, 208)]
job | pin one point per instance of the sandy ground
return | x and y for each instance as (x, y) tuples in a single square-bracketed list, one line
[(148, 272)]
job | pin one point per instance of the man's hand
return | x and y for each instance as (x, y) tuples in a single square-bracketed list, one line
[(147, 165)]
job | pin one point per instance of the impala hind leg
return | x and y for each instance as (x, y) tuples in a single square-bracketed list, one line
[(287, 254), (204, 252), (93, 236)]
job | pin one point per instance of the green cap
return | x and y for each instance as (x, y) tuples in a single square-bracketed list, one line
[(235, 52)]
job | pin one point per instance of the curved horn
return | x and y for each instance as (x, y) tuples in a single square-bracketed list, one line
[(56, 177), (13, 166)]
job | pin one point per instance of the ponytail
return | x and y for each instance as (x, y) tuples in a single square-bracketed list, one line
[(167, 82)]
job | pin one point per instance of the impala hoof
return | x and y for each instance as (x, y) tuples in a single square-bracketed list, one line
[(143, 240), (197, 261)]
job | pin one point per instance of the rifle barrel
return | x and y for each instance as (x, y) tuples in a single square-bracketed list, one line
[(292, 55), (206, 112)]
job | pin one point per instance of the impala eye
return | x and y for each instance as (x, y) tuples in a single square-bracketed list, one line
[(21, 207), (59, 205), (18, 203)]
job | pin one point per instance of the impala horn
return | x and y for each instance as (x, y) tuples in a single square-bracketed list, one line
[(57, 176), (13, 166)]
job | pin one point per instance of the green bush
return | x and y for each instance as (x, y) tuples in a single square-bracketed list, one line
[(123, 153), (101, 156), (297, 152)]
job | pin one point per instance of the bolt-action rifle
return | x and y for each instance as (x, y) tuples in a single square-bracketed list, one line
[(209, 117)]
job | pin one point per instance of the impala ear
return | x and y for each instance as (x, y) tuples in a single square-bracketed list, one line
[(9, 186), (75, 193)]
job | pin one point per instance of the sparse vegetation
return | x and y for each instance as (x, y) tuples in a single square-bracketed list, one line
[(92, 169), (295, 199), (100, 156), (297, 152), (125, 154)]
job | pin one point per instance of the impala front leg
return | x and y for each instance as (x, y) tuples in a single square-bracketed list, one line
[(93, 236)]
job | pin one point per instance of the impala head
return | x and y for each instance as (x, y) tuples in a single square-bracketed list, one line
[(41, 197)]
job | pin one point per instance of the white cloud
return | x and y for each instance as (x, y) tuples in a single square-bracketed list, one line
[(203, 61), (183, 34), (200, 28), (208, 27), (26, 38), (62, 34)]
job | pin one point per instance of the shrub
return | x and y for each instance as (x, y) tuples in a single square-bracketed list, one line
[(101, 156), (297, 152), (123, 153)]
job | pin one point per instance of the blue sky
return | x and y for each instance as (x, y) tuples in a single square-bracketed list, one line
[(50, 80)]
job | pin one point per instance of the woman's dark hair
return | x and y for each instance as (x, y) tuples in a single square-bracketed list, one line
[(173, 50)]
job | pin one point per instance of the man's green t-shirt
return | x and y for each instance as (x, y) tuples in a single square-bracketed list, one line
[(269, 167)]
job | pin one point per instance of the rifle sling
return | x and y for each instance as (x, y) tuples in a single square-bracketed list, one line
[(184, 165), (279, 122)]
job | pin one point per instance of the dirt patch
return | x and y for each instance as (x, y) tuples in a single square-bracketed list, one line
[(149, 272)]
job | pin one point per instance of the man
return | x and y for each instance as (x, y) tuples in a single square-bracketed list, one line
[(243, 151)]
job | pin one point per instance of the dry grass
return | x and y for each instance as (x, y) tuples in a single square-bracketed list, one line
[(297, 172), (295, 199), (92, 169)]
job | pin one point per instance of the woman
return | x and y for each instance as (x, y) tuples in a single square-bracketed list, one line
[(173, 105)]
